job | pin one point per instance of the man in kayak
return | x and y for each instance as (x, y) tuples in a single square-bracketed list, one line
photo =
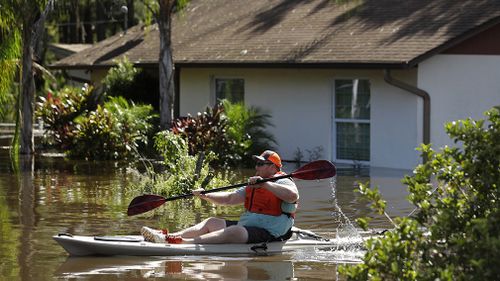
[(269, 210)]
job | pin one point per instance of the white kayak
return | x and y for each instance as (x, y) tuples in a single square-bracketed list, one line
[(77, 245)]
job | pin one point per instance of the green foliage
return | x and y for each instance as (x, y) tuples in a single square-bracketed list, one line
[(58, 110), (171, 147), (232, 130), (207, 132), (96, 136), (247, 128), (133, 120), (133, 84), (184, 172), (120, 78), (9, 56), (153, 8), (238, 122), (10, 52), (455, 235), (112, 131)]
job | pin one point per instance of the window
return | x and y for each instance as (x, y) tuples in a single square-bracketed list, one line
[(230, 89), (352, 119)]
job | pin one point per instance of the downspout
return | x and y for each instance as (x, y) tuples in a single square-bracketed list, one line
[(419, 92), (177, 91)]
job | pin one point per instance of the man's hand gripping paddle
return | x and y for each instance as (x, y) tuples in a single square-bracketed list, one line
[(315, 170)]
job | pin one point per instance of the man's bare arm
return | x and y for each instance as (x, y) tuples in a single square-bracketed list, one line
[(221, 198)]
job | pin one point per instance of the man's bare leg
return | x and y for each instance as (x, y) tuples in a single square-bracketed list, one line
[(232, 234), (207, 226)]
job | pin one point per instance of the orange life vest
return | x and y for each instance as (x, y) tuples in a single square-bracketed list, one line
[(263, 201)]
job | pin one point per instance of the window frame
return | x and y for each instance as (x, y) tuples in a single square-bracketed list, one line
[(336, 120), (213, 90)]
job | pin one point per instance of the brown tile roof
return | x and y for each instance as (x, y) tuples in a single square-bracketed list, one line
[(319, 32)]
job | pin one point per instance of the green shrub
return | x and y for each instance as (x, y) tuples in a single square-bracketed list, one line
[(183, 173), (135, 85), (120, 78), (58, 111), (247, 128), (112, 131), (208, 132), (8, 104), (455, 235), (232, 130)]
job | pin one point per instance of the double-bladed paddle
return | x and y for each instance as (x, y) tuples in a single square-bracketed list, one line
[(315, 170)]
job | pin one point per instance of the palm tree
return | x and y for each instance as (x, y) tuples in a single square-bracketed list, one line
[(163, 10)]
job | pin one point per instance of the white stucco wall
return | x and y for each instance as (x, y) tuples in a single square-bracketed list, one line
[(300, 102), (460, 86)]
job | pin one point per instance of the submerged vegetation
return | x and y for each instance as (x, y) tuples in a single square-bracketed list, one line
[(107, 124), (455, 232), (181, 175), (104, 124), (183, 172), (112, 130), (234, 131)]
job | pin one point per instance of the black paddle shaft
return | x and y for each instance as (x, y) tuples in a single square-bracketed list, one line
[(320, 169), (227, 187), (315, 170)]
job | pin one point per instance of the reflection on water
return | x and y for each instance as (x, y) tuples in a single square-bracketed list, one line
[(180, 268), (55, 195), (188, 268)]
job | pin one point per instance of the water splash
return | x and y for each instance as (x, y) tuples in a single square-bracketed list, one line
[(345, 228), (347, 246)]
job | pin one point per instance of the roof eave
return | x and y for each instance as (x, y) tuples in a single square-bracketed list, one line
[(215, 64), (453, 42)]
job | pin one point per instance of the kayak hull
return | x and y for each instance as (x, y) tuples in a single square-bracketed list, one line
[(77, 245)]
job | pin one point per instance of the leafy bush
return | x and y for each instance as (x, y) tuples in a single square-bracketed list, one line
[(58, 111), (184, 172), (455, 235), (135, 85), (112, 131), (247, 128), (8, 104), (207, 132), (120, 78), (232, 130)]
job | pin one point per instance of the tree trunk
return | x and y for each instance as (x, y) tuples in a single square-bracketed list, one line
[(166, 66), (75, 22), (87, 27), (100, 17), (33, 24), (131, 13), (27, 94)]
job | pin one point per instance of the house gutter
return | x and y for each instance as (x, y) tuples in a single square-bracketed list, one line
[(419, 92)]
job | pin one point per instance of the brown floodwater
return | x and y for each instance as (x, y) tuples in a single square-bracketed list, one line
[(55, 195)]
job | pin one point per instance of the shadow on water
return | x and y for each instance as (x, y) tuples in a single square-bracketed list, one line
[(56, 195)]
